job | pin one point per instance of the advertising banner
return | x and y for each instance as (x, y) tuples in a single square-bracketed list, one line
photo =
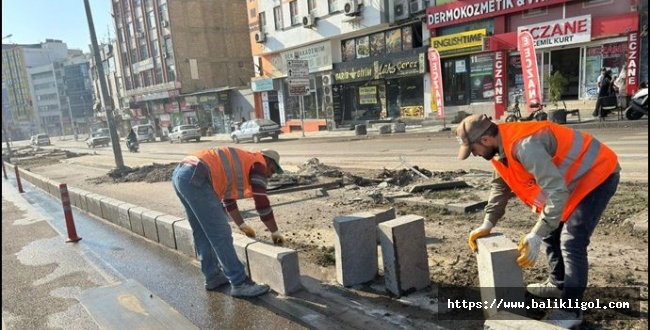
[(526, 46), (436, 82)]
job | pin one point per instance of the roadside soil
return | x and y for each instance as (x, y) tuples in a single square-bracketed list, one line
[(618, 253)]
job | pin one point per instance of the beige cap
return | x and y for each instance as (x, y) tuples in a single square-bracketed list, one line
[(270, 153), (470, 131)]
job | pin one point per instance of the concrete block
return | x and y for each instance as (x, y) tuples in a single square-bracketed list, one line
[(184, 238), (110, 210), (53, 189), (135, 215), (274, 265), (165, 226), (95, 204), (149, 224), (385, 129), (74, 196), (383, 215), (404, 252), (399, 127), (355, 247), (503, 320), (124, 216), (241, 243), (500, 276), (83, 203), (469, 207)]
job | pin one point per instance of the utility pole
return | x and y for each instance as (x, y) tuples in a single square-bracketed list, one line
[(115, 140)]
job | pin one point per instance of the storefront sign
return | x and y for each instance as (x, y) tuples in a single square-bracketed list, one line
[(143, 66), (412, 111), (318, 55), (368, 95), (632, 62), (435, 73), (459, 43), (499, 83), (400, 67), (354, 74), (261, 85), (526, 47), (561, 32), (464, 11)]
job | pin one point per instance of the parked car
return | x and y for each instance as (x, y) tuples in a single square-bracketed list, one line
[(40, 140), (145, 133), (184, 133), (256, 129), (99, 138)]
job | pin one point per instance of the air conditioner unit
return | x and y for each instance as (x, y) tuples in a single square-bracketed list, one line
[(416, 6), (351, 8), (165, 55), (139, 34), (164, 23), (308, 20), (327, 79), (401, 10), (260, 37)]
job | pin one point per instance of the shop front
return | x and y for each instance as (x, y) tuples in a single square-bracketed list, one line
[(380, 88)]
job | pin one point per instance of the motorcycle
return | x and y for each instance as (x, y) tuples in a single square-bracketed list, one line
[(133, 146), (638, 105), (537, 115)]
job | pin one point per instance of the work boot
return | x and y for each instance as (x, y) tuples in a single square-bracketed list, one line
[(248, 289), (216, 282), (544, 290), (563, 318)]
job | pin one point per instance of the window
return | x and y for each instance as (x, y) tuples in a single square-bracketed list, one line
[(152, 19), (277, 17), (333, 6), (261, 21), (293, 8), (311, 5)]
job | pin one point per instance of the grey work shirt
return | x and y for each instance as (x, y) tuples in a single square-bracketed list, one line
[(535, 153)]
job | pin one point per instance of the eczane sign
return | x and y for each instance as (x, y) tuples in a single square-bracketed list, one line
[(561, 32)]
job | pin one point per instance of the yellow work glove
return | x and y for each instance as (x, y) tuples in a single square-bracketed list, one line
[(481, 231), (528, 248), (277, 238), (246, 229)]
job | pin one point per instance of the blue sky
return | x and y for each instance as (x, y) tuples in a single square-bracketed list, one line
[(33, 21)]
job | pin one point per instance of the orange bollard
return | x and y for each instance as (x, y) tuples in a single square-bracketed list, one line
[(20, 185), (4, 170), (67, 211)]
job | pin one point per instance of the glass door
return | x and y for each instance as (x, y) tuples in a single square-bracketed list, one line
[(455, 82)]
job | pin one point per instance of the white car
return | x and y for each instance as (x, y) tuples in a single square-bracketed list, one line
[(184, 133)]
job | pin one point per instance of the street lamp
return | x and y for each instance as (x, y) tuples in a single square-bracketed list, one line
[(7, 36)]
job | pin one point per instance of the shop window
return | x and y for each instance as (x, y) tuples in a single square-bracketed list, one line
[(407, 38), (377, 44), (348, 49), (515, 78), (363, 47), (482, 88), (394, 41)]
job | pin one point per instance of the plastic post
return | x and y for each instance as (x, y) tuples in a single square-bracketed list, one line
[(20, 185), (67, 211)]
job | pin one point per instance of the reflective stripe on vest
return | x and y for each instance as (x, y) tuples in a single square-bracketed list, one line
[(582, 160), (230, 170)]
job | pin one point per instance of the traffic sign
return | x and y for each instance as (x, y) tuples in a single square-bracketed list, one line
[(298, 69), (298, 90)]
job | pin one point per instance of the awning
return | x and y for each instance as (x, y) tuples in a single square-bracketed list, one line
[(213, 90)]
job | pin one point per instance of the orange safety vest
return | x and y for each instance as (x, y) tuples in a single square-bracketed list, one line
[(230, 170), (584, 162)]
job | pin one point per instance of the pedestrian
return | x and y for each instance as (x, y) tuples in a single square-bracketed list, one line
[(209, 183), (599, 83), (566, 176)]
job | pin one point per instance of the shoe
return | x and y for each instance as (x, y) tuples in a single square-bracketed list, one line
[(544, 290), (248, 289), (563, 319), (215, 283)]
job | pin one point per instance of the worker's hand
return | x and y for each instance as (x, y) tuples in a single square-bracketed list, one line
[(529, 247), (246, 229), (277, 238), (481, 231)]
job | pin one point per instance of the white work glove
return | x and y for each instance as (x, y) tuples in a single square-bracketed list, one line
[(277, 238), (529, 247), (246, 229), (481, 231)]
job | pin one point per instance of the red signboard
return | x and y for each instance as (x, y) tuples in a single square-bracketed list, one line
[(458, 12), (526, 46), (436, 81), (499, 83), (631, 82)]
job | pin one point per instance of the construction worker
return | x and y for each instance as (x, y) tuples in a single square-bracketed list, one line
[(566, 176), (211, 180)]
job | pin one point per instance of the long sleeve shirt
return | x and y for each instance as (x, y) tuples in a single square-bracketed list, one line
[(260, 197), (535, 153)]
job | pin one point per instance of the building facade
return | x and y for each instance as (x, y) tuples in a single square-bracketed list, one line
[(179, 60)]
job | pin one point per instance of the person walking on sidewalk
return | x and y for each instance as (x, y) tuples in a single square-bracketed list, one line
[(566, 176), (209, 183)]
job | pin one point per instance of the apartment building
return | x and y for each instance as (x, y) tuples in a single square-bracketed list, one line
[(181, 61)]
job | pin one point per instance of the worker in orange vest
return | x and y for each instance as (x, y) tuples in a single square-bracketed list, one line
[(209, 183), (566, 176)]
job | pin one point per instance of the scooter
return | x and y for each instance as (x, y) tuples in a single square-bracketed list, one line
[(133, 146), (638, 105), (537, 115)]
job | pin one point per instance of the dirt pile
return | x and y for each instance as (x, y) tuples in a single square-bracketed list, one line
[(29, 156)]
